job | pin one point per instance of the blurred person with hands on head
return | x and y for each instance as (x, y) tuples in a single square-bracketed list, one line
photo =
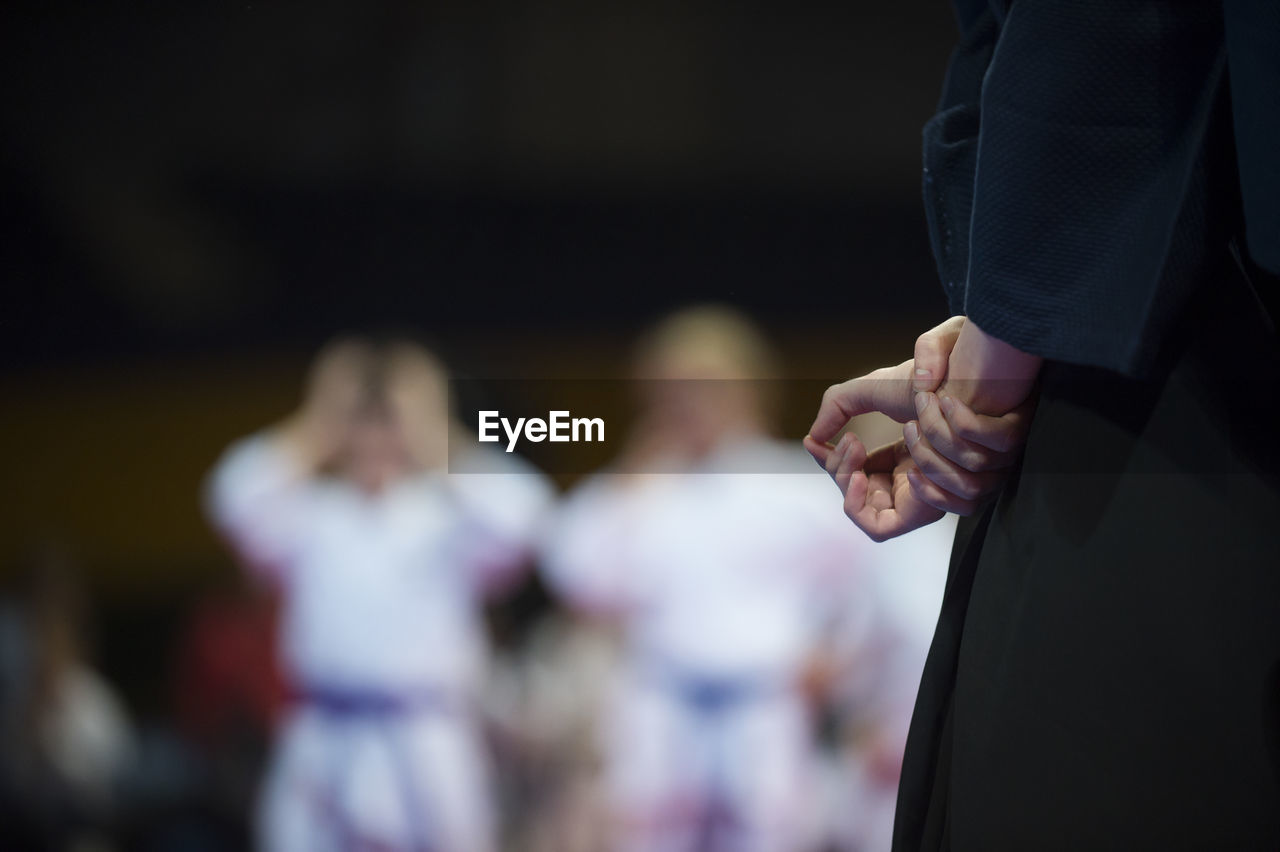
[(383, 558)]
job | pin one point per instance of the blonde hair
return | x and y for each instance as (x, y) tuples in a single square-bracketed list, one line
[(709, 341)]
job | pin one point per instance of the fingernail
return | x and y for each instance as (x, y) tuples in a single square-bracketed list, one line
[(922, 402), (924, 379), (911, 433), (948, 404), (843, 446)]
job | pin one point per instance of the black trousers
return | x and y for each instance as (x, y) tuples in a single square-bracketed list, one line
[(1106, 668)]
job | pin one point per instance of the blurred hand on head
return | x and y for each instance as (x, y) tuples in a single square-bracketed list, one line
[(418, 392), (338, 385), (950, 457)]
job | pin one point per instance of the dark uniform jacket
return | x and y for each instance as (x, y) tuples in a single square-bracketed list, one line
[(1084, 166), (1103, 189)]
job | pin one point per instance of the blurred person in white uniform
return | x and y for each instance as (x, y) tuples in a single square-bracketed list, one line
[(383, 559), (723, 563)]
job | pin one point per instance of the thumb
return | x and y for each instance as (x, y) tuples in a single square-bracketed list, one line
[(932, 352)]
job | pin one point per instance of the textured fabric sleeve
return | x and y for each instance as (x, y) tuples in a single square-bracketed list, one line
[(1253, 50), (951, 148), (1093, 119), (585, 552), (503, 509), (255, 496)]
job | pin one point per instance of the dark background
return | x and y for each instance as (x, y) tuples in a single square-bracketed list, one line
[(194, 195)]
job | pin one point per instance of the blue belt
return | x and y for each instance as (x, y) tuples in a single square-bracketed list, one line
[(352, 703), (711, 694), (710, 697), (379, 707)]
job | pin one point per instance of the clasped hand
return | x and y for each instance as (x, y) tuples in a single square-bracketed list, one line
[(965, 401)]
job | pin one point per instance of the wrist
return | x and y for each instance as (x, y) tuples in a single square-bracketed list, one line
[(989, 375)]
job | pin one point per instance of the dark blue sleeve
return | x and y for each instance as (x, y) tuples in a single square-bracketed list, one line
[(1093, 119), (1253, 57), (951, 148)]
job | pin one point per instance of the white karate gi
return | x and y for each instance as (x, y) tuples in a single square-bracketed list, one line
[(723, 578), (382, 639)]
